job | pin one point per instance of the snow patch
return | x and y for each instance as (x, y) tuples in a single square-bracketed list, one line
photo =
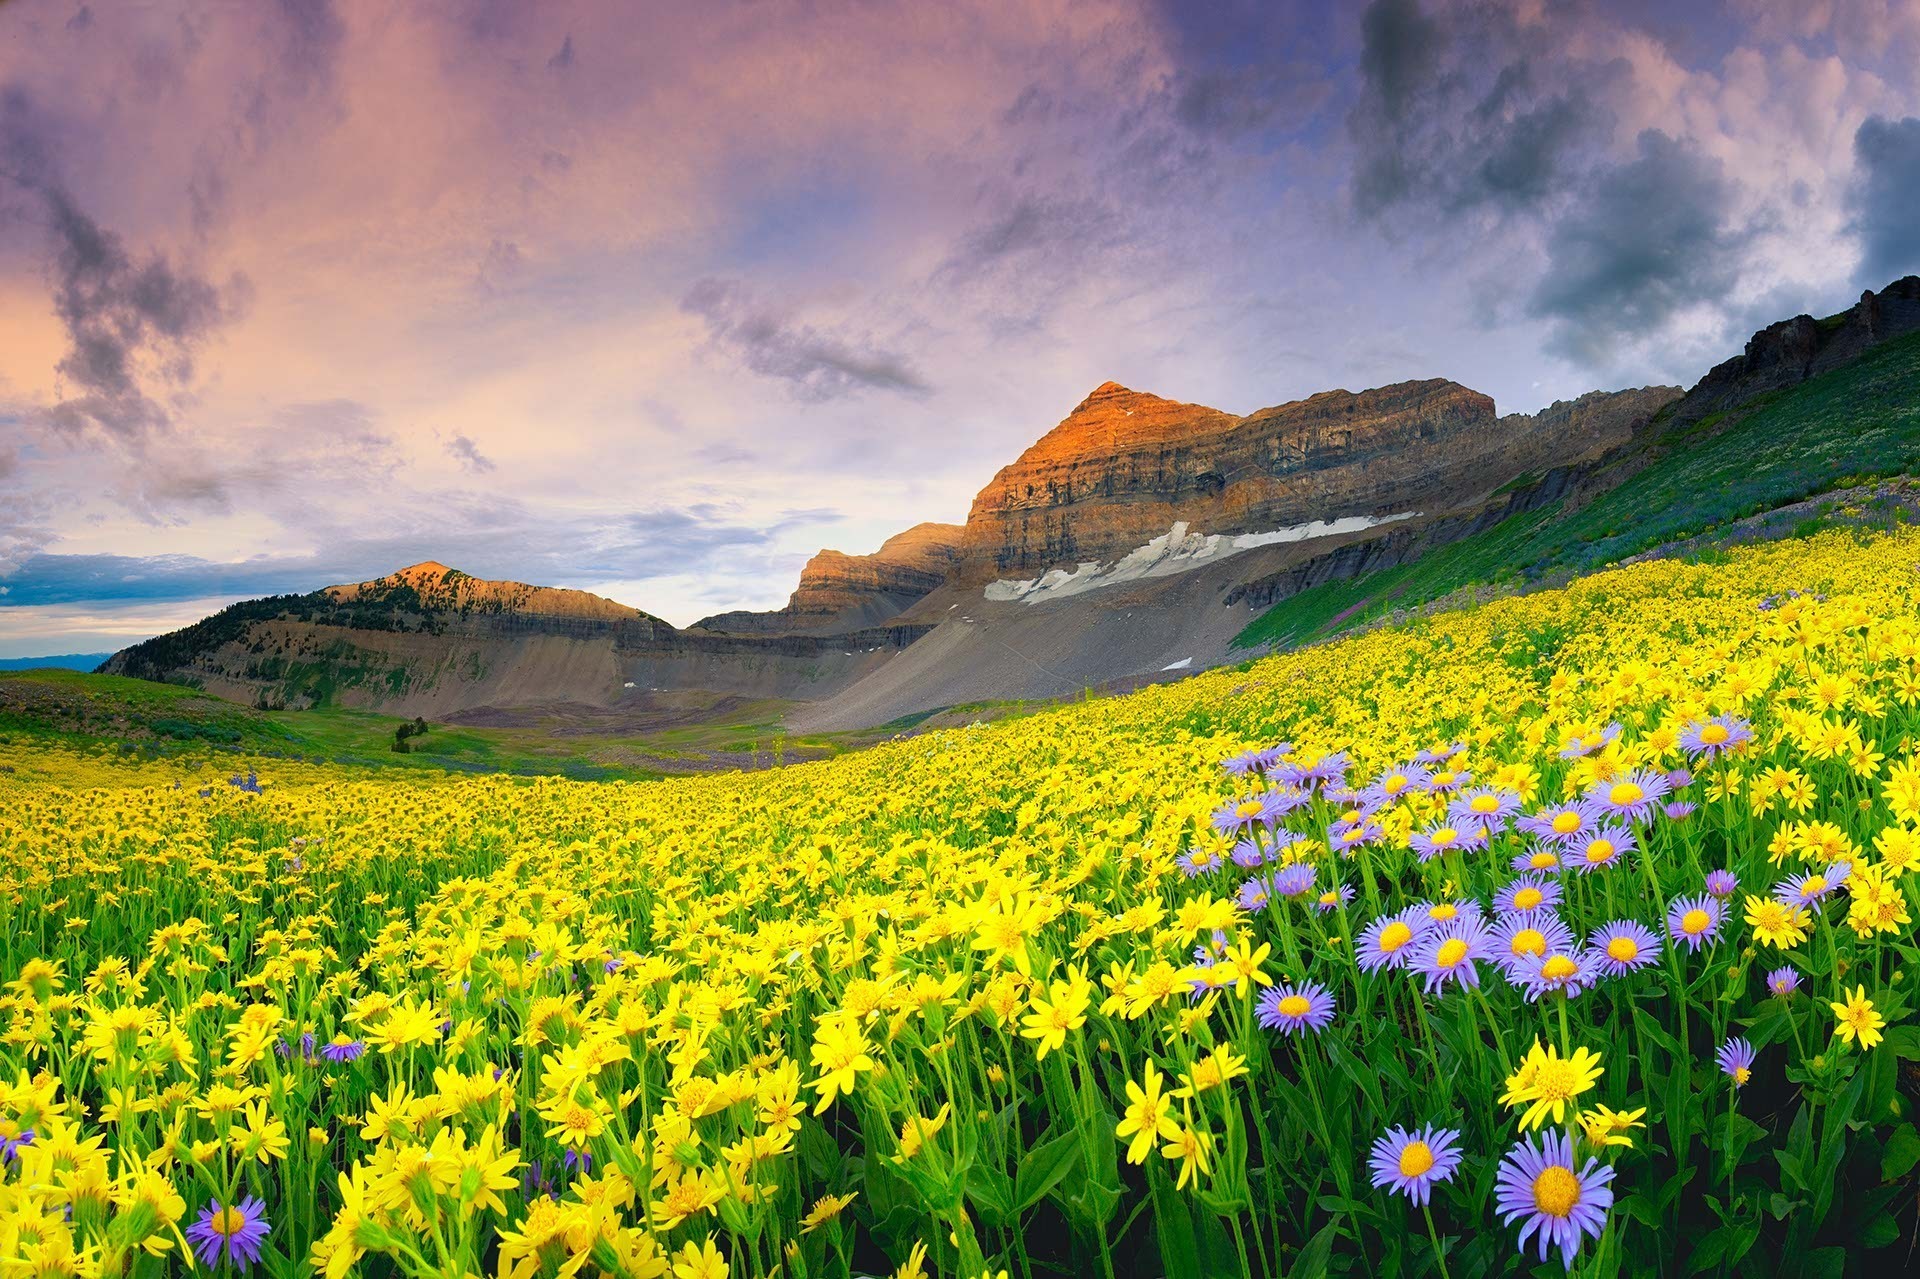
[(1180, 665), (1176, 551)]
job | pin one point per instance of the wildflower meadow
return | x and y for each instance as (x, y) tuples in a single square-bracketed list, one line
[(1571, 933)]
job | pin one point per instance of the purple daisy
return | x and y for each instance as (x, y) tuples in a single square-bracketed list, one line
[(1679, 778), (1783, 982), (1333, 898), (1542, 858), (1445, 837), (1248, 854), (1491, 808), (1735, 1060), (1528, 894), (1291, 1008), (1352, 835), (1388, 941), (1558, 972), (1716, 736), (1295, 880), (1442, 780), (1586, 743), (1722, 883), (1262, 760), (1561, 823), (10, 1144), (1450, 953), (1520, 939), (1694, 921), (1240, 815), (1395, 782), (1196, 862), (234, 1233), (1411, 1162), (1623, 946), (1253, 895), (1632, 795), (1439, 754), (1605, 846), (341, 1049), (1815, 886), (1560, 1205), (1678, 810), (1447, 911)]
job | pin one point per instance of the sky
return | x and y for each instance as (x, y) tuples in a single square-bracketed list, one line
[(657, 299)]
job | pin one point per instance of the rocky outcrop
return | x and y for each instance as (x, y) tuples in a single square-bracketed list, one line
[(1789, 352), (838, 592), (1125, 466), (1596, 422), (430, 587)]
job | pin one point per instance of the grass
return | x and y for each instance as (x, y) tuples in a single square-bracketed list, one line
[(1854, 423)]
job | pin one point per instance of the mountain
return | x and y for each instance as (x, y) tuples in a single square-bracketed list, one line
[(844, 592), (1138, 538), (1125, 466), (431, 640), (62, 661)]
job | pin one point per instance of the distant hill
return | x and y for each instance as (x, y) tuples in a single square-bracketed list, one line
[(60, 661)]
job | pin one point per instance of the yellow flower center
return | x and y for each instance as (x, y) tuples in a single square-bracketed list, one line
[(1394, 936), (1694, 922), (1713, 734), (1248, 808), (1600, 850), (1814, 884), (1566, 823), (1452, 951), (1527, 898), (1556, 1190), (1544, 860), (1395, 784), (1415, 1158), (1623, 948), (1625, 793), (1294, 1006), (229, 1221), (1529, 941), (1484, 803), (1445, 835), (1741, 1074), (1443, 912), (1559, 968)]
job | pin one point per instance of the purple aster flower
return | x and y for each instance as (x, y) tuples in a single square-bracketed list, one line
[(10, 1144), (1542, 858), (1632, 795), (1518, 940), (342, 1049), (1527, 894), (1783, 982), (1722, 883), (1395, 782), (1262, 760), (1624, 946), (1295, 880), (1566, 973), (1716, 737), (1813, 887), (1333, 898), (577, 1159), (1351, 835), (1439, 754), (1451, 952), (1291, 1008), (1442, 780), (1679, 778), (234, 1234), (1586, 743), (1248, 855), (1411, 1162), (1446, 912), (1559, 1203), (1694, 921), (613, 965), (1388, 941), (1678, 810), (1491, 807), (1735, 1059), (1562, 822), (1238, 815), (1253, 895), (1605, 846), (1444, 837)]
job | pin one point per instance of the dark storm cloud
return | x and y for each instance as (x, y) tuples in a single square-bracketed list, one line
[(1885, 199), (819, 365), (130, 322), (1655, 234), (468, 454), (1469, 110)]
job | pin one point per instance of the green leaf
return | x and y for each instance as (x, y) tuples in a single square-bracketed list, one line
[(1314, 1258), (1879, 1232), (1723, 1247), (1173, 1226), (1042, 1167), (1903, 1042), (1901, 1154)]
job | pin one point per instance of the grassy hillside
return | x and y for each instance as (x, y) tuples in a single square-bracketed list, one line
[(1855, 422)]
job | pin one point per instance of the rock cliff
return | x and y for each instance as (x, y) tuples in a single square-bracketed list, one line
[(839, 592), (1125, 466)]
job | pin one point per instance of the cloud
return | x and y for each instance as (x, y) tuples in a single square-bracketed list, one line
[(468, 454), (132, 325), (1885, 199), (1655, 236), (562, 60), (819, 365)]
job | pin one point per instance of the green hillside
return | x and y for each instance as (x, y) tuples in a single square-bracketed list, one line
[(1854, 423)]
